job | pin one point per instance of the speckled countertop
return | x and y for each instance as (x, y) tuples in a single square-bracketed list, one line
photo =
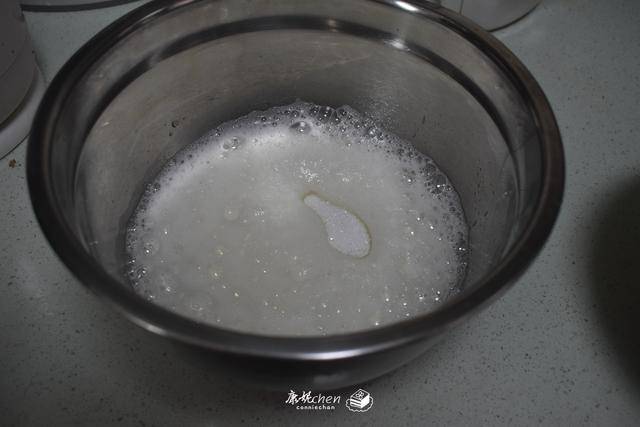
[(561, 348)]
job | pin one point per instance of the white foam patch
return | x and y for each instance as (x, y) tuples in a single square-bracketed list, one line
[(234, 229), (345, 231)]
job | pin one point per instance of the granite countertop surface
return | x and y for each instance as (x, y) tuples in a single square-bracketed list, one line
[(562, 347)]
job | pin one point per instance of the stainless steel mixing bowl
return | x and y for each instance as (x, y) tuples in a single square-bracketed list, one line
[(164, 74)]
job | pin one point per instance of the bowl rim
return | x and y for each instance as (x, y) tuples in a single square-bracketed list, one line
[(317, 348)]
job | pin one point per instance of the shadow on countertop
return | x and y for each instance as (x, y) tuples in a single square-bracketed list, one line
[(615, 274)]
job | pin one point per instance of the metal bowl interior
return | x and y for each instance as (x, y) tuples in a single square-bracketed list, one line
[(103, 130)]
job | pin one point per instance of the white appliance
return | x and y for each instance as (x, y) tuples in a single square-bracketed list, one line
[(21, 83)]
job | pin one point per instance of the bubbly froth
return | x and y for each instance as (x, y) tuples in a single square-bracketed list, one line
[(298, 220)]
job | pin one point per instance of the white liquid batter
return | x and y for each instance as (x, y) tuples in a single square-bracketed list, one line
[(298, 220), (345, 231)]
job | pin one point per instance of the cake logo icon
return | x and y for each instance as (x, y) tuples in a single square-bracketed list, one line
[(360, 401)]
